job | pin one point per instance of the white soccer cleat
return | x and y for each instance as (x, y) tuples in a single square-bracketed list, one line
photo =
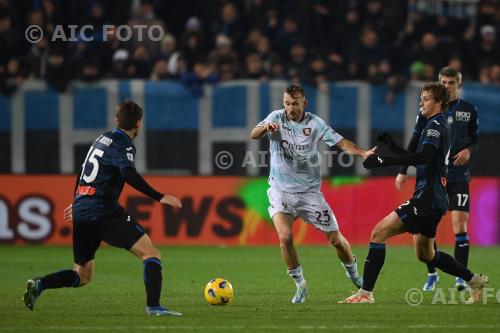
[(300, 295), (362, 296), (476, 285)]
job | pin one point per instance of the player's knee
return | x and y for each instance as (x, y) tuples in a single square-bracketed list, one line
[(377, 236), (153, 252), (459, 227), (336, 240), (424, 257), (286, 239)]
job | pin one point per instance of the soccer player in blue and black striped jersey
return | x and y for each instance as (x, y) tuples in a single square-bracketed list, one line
[(464, 122), (421, 214), (97, 216)]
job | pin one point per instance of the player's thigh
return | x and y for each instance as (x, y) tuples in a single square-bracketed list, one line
[(459, 196), (86, 241), (145, 249), (281, 202), (314, 209), (121, 230), (283, 223), (389, 226), (419, 217)]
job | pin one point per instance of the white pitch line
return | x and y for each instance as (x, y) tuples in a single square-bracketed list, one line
[(253, 327)]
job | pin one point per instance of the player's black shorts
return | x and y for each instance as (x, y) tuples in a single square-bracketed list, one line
[(458, 194), (419, 218), (121, 230)]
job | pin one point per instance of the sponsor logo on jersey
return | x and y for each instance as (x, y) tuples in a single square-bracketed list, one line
[(462, 116), (292, 146), (85, 190), (433, 132)]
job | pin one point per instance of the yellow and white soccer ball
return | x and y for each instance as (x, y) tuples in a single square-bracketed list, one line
[(219, 291)]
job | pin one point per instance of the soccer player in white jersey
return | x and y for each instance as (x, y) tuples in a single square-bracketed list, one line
[(295, 181)]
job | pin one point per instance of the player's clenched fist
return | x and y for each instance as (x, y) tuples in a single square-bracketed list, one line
[(272, 127)]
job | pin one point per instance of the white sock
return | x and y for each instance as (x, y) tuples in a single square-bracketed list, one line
[(352, 268), (297, 274)]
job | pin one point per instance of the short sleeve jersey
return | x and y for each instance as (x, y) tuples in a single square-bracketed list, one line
[(295, 159)]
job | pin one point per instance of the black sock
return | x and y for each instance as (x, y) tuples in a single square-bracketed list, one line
[(449, 265), (373, 264), (65, 278), (430, 266), (153, 280), (462, 248)]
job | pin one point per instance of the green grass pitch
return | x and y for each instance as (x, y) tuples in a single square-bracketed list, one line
[(114, 301)]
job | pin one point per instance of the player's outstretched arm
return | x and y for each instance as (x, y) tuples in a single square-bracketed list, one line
[(422, 157), (259, 131), (353, 149), (388, 140), (134, 179)]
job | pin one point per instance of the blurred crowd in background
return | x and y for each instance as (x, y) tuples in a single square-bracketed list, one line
[(208, 41)]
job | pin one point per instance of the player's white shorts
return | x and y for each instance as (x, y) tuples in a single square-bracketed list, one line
[(310, 206)]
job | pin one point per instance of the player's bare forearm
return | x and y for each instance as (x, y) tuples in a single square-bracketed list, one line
[(353, 149), (258, 132)]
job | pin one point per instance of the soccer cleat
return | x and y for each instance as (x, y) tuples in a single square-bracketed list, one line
[(476, 285), (33, 291), (430, 283), (460, 284), (161, 311), (362, 296), (300, 295), (351, 272)]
